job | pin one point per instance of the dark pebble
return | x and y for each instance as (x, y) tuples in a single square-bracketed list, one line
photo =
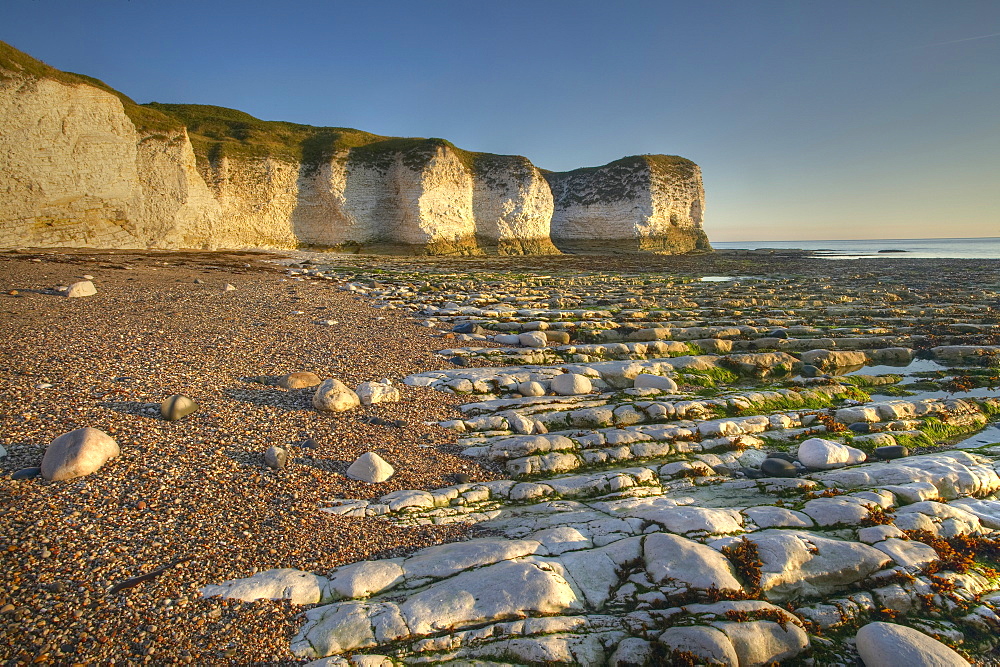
[(752, 473), (459, 361), (777, 333), (781, 455), (462, 478), (774, 467), (400, 423), (468, 328), (890, 452), (861, 427), (26, 473), (309, 443), (809, 371)]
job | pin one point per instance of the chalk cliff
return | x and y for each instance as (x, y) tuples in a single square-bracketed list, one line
[(83, 165), (645, 202)]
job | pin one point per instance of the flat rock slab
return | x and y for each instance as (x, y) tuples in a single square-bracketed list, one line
[(802, 564), (283, 584), (670, 557)]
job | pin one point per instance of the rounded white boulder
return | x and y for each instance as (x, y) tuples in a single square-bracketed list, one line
[(820, 454), (533, 339), (334, 396), (531, 388), (371, 468), (571, 384), (893, 645), (82, 288)]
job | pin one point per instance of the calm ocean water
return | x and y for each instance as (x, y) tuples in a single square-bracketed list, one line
[(981, 248)]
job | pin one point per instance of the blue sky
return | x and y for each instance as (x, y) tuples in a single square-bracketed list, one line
[(810, 120)]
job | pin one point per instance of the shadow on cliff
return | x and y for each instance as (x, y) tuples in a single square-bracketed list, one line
[(317, 152)]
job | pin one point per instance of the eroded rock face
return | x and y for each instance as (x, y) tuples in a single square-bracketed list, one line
[(647, 202), (114, 178)]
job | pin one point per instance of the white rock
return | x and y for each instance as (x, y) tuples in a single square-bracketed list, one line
[(767, 516), (669, 557), (228, 288), (631, 651), (283, 584), (833, 511), (533, 339), (893, 645), (332, 395), (82, 288), (705, 642), (820, 454), (504, 590), (364, 579), (78, 453), (908, 553), (370, 393), (531, 388), (646, 380), (873, 534), (571, 384), (445, 560), (801, 564), (371, 468), (765, 642)]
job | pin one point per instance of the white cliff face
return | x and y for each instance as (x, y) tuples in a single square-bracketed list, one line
[(640, 203), (512, 205), (68, 163), (75, 171)]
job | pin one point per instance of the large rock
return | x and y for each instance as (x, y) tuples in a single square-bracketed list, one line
[(371, 468), (704, 642), (952, 474), (649, 381), (82, 288), (377, 392), (820, 454), (503, 591), (298, 380), (893, 645), (283, 584), (649, 202), (765, 642), (332, 395), (801, 564), (177, 407), (533, 339), (571, 384), (78, 453), (670, 557), (276, 457)]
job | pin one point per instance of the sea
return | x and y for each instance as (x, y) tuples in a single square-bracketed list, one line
[(976, 248)]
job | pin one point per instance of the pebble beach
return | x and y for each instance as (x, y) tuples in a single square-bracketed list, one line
[(191, 502)]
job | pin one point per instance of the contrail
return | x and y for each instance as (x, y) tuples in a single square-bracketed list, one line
[(956, 41)]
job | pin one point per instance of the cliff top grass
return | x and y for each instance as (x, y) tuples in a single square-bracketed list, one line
[(670, 164), (218, 131), (144, 118)]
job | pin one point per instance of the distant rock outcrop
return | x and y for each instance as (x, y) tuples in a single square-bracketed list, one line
[(86, 166), (645, 202)]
